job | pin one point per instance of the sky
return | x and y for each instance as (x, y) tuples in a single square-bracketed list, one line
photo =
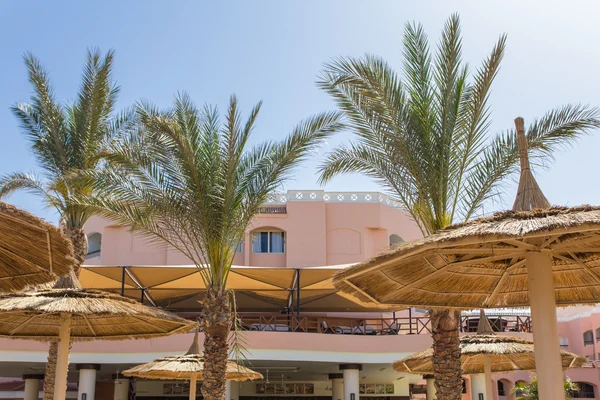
[(274, 50)]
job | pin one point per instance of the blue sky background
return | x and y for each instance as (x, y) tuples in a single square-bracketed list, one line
[(273, 50)]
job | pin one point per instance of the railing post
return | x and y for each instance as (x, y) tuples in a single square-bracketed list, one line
[(410, 332)]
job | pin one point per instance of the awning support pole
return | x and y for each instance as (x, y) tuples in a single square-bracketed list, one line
[(123, 282)]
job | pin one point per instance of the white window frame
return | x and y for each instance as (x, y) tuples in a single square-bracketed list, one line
[(269, 242)]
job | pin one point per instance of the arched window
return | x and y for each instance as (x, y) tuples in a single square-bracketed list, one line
[(501, 389), (586, 391), (395, 240), (94, 244), (564, 342), (588, 337), (517, 384), (271, 241)]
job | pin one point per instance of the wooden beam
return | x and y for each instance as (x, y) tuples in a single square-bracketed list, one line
[(496, 292)]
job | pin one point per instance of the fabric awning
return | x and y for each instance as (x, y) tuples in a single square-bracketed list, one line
[(257, 289)]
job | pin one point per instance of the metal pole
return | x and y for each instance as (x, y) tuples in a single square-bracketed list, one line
[(409, 320), (123, 282), (298, 295)]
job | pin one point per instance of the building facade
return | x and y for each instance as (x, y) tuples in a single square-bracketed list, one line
[(307, 340)]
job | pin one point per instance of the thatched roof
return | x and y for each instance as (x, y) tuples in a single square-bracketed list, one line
[(95, 315), (32, 251), (185, 366), (482, 263), (507, 354)]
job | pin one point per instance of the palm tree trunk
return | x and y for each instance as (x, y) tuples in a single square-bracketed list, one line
[(446, 354), (217, 322), (80, 247)]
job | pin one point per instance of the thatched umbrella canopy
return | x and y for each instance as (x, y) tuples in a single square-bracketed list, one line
[(487, 353), (188, 367), (32, 251), (81, 314), (533, 255)]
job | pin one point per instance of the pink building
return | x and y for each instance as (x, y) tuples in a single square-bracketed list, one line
[(306, 339)]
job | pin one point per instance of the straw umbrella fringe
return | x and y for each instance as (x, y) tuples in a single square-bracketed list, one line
[(77, 314), (507, 353), (189, 367), (32, 251)]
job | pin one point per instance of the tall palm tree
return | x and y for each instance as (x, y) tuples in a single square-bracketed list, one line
[(424, 136), (65, 139), (187, 179)]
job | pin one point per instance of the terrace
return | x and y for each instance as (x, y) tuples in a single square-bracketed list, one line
[(281, 300)]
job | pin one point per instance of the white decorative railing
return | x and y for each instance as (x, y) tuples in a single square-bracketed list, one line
[(582, 314), (332, 197)]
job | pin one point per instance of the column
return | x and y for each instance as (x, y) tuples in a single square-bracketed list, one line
[(351, 380), (430, 386), (87, 381), (121, 391), (545, 328), (32, 386), (478, 386), (232, 390), (337, 386)]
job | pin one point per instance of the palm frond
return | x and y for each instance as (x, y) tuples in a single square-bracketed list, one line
[(425, 136)]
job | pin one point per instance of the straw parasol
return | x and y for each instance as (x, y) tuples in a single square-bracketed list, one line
[(79, 315), (189, 367), (32, 251), (533, 255), (487, 353)]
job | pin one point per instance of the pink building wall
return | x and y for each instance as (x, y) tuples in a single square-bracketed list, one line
[(318, 233)]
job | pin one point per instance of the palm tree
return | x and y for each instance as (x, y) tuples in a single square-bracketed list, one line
[(66, 139), (529, 391), (424, 136), (186, 179)]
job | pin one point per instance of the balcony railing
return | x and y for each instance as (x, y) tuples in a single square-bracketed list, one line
[(272, 210), (499, 323), (361, 326)]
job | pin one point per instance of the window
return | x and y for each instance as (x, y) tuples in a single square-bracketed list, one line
[(94, 244), (564, 342), (464, 383), (597, 335), (588, 337), (586, 391), (395, 240), (268, 242), (518, 392), (591, 358), (501, 389)]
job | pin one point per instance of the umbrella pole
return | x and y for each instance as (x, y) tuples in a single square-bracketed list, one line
[(545, 330), (487, 370), (193, 382), (62, 358)]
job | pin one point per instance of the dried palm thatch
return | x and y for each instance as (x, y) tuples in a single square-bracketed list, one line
[(481, 264), (32, 251), (507, 354), (186, 367), (94, 315)]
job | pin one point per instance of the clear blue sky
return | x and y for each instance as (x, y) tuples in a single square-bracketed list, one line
[(273, 50)]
